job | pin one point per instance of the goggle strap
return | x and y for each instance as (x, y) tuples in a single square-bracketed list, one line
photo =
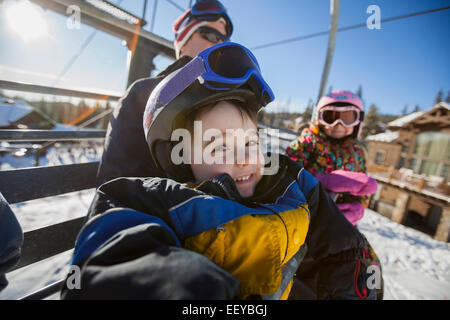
[(183, 79), (340, 108)]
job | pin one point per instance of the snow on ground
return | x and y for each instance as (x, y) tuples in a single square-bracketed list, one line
[(37, 214), (58, 154), (415, 266)]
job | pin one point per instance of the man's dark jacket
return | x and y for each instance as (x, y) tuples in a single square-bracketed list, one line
[(126, 152)]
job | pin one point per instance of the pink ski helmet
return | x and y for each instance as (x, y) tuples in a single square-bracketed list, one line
[(342, 97)]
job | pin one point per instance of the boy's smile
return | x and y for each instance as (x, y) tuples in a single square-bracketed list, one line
[(242, 148)]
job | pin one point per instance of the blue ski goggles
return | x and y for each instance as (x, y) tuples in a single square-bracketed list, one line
[(224, 66), (207, 10)]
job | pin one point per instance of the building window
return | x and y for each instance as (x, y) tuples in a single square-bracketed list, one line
[(433, 148), (401, 163), (413, 164), (445, 172), (380, 156), (429, 168), (434, 145)]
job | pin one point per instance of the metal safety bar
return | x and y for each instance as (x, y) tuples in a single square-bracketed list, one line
[(50, 135), (28, 87)]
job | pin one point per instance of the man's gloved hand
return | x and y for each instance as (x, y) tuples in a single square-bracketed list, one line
[(343, 278)]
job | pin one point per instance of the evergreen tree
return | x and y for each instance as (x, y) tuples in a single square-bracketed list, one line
[(438, 98), (371, 122), (262, 116), (307, 114), (40, 105), (448, 97), (105, 120), (56, 111), (416, 108), (359, 92), (405, 110), (330, 88)]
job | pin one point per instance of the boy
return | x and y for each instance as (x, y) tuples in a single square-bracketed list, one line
[(218, 229)]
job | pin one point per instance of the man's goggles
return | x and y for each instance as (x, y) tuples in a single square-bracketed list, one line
[(348, 116), (207, 10), (222, 67), (211, 34)]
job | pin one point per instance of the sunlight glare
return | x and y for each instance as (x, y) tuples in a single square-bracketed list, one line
[(27, 20)]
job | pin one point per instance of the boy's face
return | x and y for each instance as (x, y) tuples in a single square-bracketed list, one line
[(241, 155)]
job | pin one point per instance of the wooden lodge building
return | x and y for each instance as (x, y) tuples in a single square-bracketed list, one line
[(411, 162)]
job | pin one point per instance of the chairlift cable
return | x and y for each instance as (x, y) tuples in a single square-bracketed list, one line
[(176, 5), (361, 25), (155, 5), (75, 57)]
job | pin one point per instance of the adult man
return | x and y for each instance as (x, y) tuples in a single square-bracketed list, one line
[(126, 153)]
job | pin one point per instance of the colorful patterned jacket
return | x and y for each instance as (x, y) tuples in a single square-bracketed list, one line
[(319, 155)]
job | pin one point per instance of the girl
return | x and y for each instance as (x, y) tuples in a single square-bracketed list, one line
[(329, 150)]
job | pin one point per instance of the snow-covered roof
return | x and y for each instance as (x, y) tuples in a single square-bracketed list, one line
[(400, 122), (444, 104), (12, 110), (387, 136)]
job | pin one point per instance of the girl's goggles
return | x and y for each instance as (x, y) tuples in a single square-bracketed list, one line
[(222, 67), (348, 116)]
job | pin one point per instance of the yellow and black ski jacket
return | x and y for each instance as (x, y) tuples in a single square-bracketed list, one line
[(154, 238)]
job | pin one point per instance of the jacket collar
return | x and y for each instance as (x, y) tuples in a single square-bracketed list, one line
[(267, 190), (175, 66)]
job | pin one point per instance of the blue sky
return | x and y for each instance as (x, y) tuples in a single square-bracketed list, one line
[(405, 63)]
